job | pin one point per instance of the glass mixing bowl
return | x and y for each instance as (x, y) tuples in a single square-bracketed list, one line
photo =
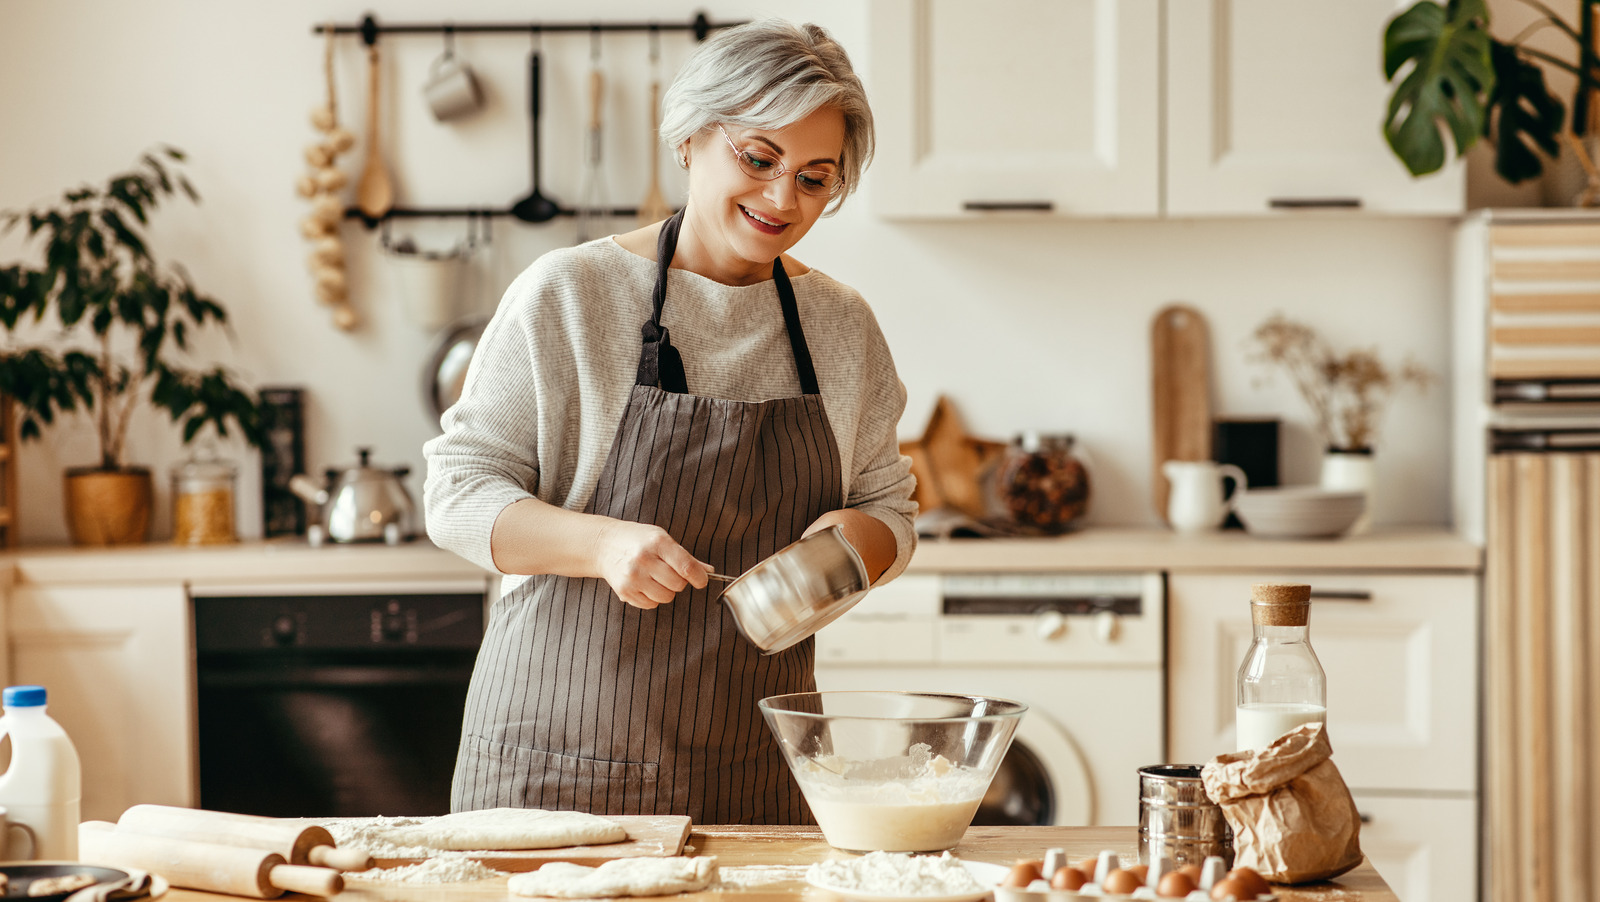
[(892, 771)]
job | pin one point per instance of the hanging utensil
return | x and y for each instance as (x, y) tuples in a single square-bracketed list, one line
[(374, 192), (592, 211), (535, 207), (654, 207)]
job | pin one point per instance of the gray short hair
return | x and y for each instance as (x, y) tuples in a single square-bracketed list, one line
[(770, 74)]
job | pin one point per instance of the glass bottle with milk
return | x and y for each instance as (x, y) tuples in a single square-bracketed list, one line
[(1281, 684)]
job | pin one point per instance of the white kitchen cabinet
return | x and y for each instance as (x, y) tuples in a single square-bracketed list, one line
[(116, 663), (1423, 847), (1039, 106), (1082, 108)]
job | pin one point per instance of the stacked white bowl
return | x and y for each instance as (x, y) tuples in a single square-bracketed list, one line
[(1299, 511)]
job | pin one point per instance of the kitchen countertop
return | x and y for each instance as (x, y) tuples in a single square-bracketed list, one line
[(290, 560), (755, 846)]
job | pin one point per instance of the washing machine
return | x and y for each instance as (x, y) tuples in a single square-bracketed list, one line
[(1084, 651)]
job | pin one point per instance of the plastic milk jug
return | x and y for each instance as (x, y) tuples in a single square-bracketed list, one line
[(44, 783)]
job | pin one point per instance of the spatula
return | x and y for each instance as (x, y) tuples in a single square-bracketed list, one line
[(374, 192), (654, 207)]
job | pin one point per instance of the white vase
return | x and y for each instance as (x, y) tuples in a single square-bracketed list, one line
[(1352, 471)]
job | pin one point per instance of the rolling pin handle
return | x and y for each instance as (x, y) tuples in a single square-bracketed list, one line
[(339, 859), (299, 878)]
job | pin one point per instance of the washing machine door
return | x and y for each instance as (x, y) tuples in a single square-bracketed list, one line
[(1043, 780)]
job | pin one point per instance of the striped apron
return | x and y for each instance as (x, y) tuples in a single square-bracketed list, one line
[(579, 701)]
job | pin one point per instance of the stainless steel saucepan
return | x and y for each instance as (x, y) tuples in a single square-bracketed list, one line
[(797, 590)]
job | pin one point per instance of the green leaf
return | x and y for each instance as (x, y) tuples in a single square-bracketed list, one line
[(1447, 51), (1524, 114)]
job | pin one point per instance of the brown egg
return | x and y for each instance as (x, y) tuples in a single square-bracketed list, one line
[(1087, 866), (1068, 878), (1252, 883), (1175, 884), (1229, 889), (1022, 873), (1192, 871), (1142, 871), (1120, 882)]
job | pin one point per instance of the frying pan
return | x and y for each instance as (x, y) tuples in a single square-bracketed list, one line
[(446, 371), (22, 875)]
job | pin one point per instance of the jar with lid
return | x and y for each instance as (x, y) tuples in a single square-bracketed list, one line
[(1042, 484), (202, 502), (1281, 683)]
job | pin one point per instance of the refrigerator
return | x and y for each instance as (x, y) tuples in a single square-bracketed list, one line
[(1526, 484)]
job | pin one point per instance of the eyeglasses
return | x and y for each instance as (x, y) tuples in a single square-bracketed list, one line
[(766, 167)]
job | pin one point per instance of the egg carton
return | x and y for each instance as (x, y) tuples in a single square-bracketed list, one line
[(1213, 873)]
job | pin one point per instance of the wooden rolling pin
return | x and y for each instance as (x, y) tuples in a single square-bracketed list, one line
[(299, 844), (204, 866)]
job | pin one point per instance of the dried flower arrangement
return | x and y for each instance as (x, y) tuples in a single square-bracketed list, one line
[(1347, 393)]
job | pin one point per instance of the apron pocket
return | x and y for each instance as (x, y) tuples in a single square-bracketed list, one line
[(495, 775)]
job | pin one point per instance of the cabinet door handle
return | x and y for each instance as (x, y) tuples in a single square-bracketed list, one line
[(1342, 594), (1315, 203), (1001, 206), (1366, 818)]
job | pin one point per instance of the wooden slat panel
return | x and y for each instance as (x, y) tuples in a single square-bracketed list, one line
[(1565, 670), (1546, 335), (1545, 270), (1545, 234), (1531, 368), (1591, 657), (1531, 546), (1504, 843), (1553, 302)]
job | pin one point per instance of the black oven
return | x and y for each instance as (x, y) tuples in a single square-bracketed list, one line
[(333, 703)]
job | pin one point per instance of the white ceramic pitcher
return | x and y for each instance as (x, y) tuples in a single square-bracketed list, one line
[(1196, 501)]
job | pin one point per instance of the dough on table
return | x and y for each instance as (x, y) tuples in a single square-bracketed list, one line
[(508, 828), (619, 877), (66, 883)]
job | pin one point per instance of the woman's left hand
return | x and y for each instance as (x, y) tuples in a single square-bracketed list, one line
[(871, 537)]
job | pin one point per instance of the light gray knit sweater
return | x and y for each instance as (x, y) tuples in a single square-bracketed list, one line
[(553, 371)]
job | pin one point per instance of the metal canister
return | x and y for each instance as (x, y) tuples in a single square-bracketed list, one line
[(1177, 820)]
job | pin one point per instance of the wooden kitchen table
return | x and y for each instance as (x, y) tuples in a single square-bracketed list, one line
[(744, 847)]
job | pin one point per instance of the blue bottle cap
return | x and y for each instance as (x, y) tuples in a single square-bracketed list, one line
[(23, 697)]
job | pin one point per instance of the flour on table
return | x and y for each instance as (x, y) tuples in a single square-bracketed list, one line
[(896, 874), (619, 877), (433, 870), (489, 829), (371, 834), (760, 874)]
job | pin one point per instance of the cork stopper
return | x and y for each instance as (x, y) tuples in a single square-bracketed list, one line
[(1280, 604)]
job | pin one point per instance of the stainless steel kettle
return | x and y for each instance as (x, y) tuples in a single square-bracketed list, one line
[(360, 503)]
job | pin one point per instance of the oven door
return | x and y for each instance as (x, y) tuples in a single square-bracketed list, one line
[(332, 705)]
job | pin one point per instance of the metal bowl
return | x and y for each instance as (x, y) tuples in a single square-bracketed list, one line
[(797, 590)]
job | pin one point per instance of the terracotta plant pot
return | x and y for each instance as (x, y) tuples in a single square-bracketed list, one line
[(108, 507)]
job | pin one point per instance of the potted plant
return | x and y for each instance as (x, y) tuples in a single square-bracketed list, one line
[(1454, 78), (114, 326), (1347, 394)]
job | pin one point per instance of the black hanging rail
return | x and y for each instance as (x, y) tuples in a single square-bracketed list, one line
[(369, 28), (470, 212)]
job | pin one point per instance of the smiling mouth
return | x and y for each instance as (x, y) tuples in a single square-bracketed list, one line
[(763, 224)]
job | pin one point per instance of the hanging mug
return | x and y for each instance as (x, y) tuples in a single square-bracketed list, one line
[(1197, 502), (451, 89)]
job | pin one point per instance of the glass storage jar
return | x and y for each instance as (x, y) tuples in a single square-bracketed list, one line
[(1043, 485), (202, 502)]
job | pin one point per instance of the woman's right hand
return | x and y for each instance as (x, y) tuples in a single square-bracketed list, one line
[(644, 565)]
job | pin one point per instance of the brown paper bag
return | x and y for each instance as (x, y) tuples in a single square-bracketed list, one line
[(1292, 816)]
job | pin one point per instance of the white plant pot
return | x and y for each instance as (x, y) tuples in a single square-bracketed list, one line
[(1352, 471)]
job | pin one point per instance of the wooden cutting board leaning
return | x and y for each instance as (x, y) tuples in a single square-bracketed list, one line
[(1180, 393)]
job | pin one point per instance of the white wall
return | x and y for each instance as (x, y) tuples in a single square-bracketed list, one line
[(1026, 326)]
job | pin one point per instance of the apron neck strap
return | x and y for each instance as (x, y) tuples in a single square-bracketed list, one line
[(660, 364)]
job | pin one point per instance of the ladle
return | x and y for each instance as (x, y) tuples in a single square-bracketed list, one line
[(535, 207), (374, 192)]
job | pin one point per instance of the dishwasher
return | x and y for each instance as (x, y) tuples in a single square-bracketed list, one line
[(333, 701)]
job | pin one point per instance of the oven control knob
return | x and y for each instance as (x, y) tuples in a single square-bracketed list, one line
[(1050, 625), (284, 629), (392, 623), (1107, 626)]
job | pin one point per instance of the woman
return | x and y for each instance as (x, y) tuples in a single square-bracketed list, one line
[(649, 408)]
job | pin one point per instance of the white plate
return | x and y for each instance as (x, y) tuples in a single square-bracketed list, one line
[(988, 876)]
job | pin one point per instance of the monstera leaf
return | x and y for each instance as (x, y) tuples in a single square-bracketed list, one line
[(1447, 48), (1521, 110)]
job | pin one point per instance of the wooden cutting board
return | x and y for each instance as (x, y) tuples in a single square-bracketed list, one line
[(1180, 391), (649, 836)]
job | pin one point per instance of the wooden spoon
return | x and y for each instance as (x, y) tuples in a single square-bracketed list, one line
[(374, 192), (654, 208)]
